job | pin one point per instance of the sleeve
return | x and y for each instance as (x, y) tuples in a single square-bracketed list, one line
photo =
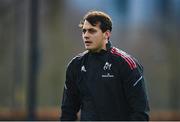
[(135, 92), (71, 98)]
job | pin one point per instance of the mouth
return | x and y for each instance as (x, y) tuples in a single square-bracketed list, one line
[(87, 43)]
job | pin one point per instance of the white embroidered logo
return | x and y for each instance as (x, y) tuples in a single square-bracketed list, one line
[(83, 69), (107, 66), (108, 76)]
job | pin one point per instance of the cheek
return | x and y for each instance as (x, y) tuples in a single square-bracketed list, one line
[(104, 36), (99, 36)]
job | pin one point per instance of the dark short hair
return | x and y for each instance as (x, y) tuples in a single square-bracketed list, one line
[(95, 17)]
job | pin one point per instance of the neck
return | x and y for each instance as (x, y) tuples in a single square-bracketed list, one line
[(104, 45)]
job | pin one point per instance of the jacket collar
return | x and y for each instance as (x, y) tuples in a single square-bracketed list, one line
[(108, 46)]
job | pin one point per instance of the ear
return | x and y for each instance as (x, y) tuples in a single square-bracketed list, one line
[(107, 34)]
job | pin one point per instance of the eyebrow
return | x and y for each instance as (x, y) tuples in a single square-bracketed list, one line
[(90, 29)]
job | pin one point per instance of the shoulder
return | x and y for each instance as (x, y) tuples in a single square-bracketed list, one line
[(76, 60), (80, 55), (124, 58)]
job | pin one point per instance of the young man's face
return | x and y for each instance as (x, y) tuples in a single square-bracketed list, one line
[(94, 38)]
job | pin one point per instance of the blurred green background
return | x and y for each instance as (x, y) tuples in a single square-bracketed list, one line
[(147, 29)]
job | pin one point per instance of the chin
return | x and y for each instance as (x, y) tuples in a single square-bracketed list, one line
[(88, 48), (91, 49)]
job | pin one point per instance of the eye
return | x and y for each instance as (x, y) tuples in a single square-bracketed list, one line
[(92, 30), (84, 31)]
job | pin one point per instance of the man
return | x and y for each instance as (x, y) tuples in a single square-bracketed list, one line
[(103, 82)]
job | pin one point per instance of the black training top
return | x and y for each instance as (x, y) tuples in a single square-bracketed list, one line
[(108, 85)]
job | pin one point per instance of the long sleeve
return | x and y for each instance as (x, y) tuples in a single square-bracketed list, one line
[(135, 92), (71, 98)]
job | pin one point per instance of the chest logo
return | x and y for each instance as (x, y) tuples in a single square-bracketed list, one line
[(108, 75), (107, 66), (83, 69)]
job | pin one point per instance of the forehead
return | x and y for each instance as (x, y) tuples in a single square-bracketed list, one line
[(88, 25)]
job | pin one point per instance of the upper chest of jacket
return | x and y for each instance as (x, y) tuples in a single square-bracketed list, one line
[(99, 67), (99, 76)]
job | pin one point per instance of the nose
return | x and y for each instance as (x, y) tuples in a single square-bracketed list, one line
[(86, 35)]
